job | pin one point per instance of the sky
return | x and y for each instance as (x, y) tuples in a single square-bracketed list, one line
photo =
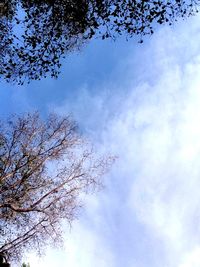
[(140, 102)]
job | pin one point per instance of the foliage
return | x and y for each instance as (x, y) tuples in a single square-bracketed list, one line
[(36, 35), (25, 265), (44, 168)]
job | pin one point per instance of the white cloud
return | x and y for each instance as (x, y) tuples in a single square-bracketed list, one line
[(82, 249), (192, 258), (149, 213)]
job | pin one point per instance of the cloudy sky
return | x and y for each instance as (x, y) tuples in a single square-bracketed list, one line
[(141, 103)]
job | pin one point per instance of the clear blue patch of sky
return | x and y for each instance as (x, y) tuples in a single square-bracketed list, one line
[(93, 66)]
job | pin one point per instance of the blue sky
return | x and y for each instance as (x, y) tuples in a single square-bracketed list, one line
[(142, 103)]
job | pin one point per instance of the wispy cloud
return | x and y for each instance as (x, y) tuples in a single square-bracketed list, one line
[(149, 213)]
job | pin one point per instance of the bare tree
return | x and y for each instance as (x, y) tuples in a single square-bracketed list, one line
[(44, 168)]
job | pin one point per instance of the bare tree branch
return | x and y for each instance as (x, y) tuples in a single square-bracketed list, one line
[(45, 167)]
